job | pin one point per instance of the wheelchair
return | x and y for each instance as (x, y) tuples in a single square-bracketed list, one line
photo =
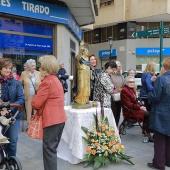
[(132, 120), (9, 163)]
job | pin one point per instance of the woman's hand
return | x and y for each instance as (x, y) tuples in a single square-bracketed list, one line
[(153, 78), (143, 108)]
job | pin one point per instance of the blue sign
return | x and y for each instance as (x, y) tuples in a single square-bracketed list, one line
[(22, 43), (41, 11), (106, 53), (151, 51)]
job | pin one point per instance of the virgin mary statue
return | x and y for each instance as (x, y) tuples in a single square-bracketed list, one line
[(83, 76)]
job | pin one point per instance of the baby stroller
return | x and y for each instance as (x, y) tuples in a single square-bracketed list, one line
[(131, 120), (9, 163)]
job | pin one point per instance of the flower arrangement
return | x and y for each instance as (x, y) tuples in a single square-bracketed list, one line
[(103, 145)]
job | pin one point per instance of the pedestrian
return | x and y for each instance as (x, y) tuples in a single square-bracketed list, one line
[(63, 76), (159, 96), (94, 73), (50, 98), (104, 87), (31, 80), (11, 91), (118, 81), (131, 72), (148, 78)]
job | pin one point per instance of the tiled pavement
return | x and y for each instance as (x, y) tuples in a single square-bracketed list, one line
[(30, 153)]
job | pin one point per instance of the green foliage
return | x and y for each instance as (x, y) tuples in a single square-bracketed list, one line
[(103, 145)]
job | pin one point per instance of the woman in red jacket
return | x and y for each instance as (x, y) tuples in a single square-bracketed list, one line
[(50, 99), (129, 101)]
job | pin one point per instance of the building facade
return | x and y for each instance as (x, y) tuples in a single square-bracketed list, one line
[(32, 28), (120, 19)]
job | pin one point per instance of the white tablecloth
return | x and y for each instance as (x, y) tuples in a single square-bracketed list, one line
[(72, 147)]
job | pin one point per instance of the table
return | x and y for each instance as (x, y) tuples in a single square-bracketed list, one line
[(72, 147)]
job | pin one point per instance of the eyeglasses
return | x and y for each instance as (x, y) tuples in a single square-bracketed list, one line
[(131, 82)]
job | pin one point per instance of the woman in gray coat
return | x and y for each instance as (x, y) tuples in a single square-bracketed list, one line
[(160, 117)]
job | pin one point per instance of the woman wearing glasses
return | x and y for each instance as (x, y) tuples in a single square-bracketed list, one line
[(129, 101)]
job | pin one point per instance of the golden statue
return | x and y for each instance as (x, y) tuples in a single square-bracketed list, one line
[(83, 78)]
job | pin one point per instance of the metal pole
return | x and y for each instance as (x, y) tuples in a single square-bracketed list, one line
[(110, 53), (161, 43)]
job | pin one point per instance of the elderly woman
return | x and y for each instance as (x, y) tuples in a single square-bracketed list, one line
[(50, 99), (159, 96), (129, 101), (30, 80), (131, 72), (11, 91), (104, 87), (118, 81), (94, 73), (63, 76)]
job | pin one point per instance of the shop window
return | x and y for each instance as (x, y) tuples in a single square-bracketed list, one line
[(114, 32), (141, 26), (89, 37), (104, 3), (104, 34), (109, 32), (85, 36), (97, 36)]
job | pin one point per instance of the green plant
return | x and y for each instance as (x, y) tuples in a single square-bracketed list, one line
[(103, 145)]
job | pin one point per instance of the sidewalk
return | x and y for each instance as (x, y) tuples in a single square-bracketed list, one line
[(30, 153)]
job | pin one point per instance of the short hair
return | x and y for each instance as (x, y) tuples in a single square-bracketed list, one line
[(166, 64), (60, 62), (92, 55), (118, 62), (49, 63), (150, 68), (112, 64), (4, 62), (129, 77), (130, 71), (28, 62)]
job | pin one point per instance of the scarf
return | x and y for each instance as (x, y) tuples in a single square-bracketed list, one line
[(5, 82)]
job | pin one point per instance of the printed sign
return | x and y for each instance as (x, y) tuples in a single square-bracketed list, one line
[(151, 51), (41, 11), (106, 53)]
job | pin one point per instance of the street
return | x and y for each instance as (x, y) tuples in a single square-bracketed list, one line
[(30, 153)]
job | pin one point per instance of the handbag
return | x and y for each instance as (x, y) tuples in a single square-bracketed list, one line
[(35, 129), (116, 97)]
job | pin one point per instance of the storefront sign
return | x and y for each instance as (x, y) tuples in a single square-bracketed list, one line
[(106, 53), (41, 11), (151, 51)]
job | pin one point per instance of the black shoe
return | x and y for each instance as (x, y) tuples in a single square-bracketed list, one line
[(168, 165), (151, 139), (151, 165)]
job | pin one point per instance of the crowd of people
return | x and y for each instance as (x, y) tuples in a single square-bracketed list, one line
[(45, 89)]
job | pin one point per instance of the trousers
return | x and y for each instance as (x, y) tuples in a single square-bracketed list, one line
[(161, 150), (116, 109), (51, 139), (12, 134)]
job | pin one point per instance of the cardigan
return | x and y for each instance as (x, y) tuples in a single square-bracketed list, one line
[(50, 95)]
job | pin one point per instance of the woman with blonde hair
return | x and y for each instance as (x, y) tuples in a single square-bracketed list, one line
[(50, 100), (30, 80), (148, 78)]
